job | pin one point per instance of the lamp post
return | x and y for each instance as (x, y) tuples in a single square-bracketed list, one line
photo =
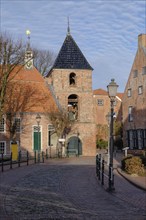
[(38, 119), (108, 116), (78, 142), (112, 91)]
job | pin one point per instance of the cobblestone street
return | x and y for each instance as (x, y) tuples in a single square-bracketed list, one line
[(67, 189)]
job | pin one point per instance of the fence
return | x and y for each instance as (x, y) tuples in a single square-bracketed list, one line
[(23, 157), (104, 173)]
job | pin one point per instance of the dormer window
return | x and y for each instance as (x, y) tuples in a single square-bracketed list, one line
[(72, 79)]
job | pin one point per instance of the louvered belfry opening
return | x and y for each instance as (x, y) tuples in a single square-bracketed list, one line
[(73, 107)]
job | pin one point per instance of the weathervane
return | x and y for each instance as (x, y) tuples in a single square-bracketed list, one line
[(28, 36)]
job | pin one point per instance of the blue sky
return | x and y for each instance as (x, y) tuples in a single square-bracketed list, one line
[(106, 31)]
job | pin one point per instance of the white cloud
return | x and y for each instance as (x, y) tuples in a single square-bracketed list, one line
[(105, 31)]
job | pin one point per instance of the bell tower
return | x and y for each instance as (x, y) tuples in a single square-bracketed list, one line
[(71, 80)]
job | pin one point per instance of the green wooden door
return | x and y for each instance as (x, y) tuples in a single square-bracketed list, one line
[(36, 139), (74, 145)]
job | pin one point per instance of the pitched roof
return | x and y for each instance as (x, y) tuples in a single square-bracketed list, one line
[(70, 56), (99, 92), (104, 92), (31, 84)]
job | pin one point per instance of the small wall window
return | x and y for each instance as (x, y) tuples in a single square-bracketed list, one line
[(144, 70), (135, 73), (100, 102), (2, 147), (140, 90), (72, 79), (2, 125), (129, 92), (130, 116)]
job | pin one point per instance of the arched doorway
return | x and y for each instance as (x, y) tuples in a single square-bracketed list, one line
[(74, 146)]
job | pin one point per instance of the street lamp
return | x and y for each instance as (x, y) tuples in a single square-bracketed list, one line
[(112, 91), (78, 142), (108, 119), (38, 119)]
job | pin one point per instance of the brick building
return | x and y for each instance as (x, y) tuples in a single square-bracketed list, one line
[(134, 100), (27, 95), (102, 106), (71, 82)]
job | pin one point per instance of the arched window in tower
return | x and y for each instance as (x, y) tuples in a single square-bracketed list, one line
[(72, 79), (73, 107)]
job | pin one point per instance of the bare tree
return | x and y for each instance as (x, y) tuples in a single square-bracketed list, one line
[(11, 55), (61, 123), (19, 99), (43, 60), (62, 126)]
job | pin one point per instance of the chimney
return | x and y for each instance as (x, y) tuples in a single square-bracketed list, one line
[(141, 40)]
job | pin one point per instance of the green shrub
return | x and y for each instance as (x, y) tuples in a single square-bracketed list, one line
[(124, 161), (134, 165), (102, 144)]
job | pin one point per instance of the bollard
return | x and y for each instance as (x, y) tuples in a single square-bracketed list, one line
[(97, 172), (19, 158), (102, 178), (2, 162), (27, 158), (11, 161), (35, 157), (46, 153), (99, 166), (42, 156)]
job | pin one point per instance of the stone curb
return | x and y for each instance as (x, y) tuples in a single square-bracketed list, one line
[(132, 180)]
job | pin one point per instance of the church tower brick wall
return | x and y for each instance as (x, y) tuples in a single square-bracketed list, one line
[(71, 76)]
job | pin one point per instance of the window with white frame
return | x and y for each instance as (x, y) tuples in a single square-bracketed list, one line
[(135, 73), (140, 90), (100, 102), (130, 116), (2, 147), (129, 92), (2, 125), (144, 70), (18, 124)]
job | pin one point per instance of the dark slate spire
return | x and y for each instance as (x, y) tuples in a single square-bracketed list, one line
[(70, 56)]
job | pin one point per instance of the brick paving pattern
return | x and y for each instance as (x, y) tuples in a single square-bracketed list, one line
[(67, 189)]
